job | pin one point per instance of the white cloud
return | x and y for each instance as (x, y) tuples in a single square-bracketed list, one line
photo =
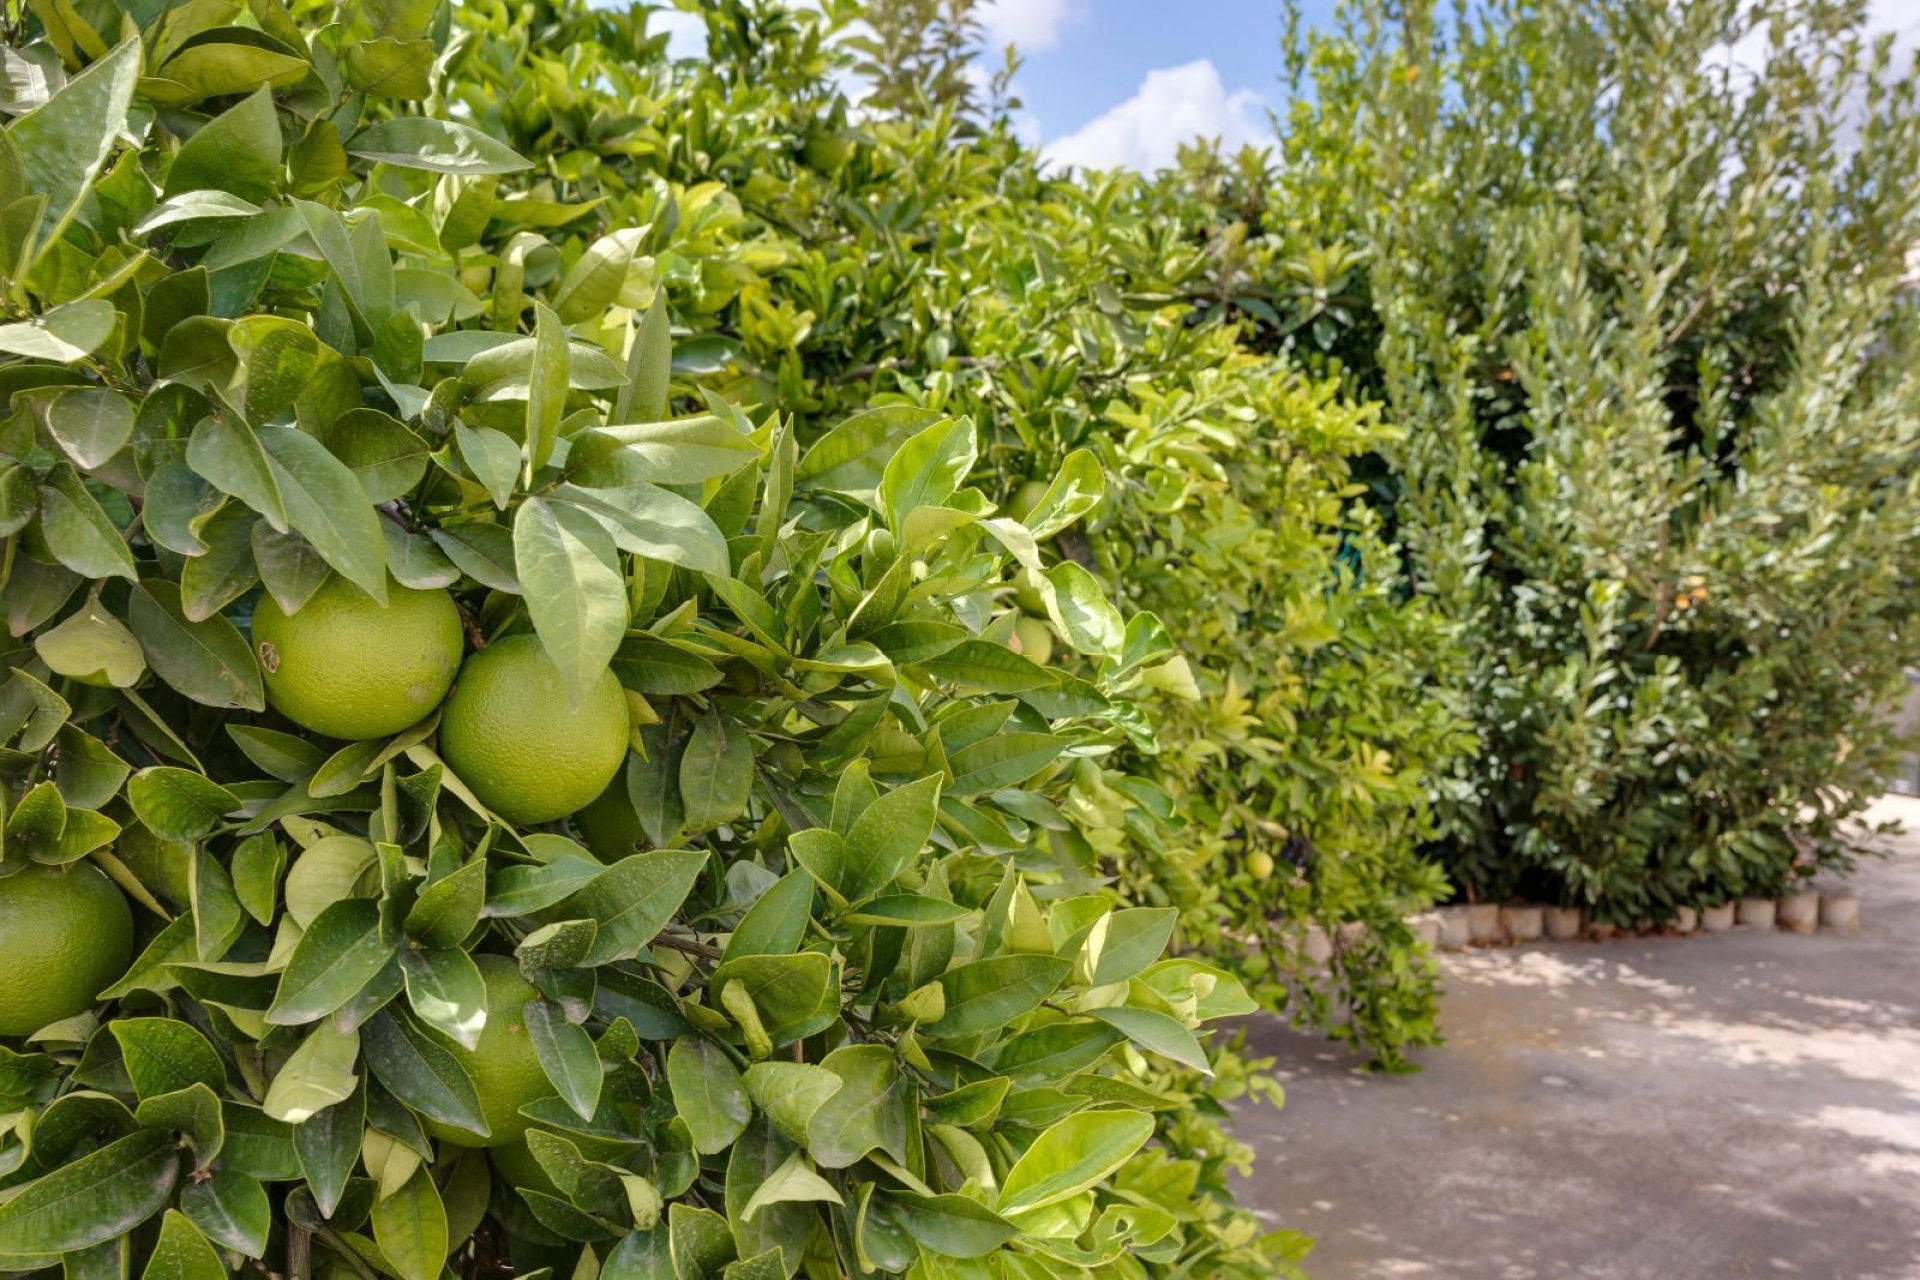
[(1174, 105), (1034, 25), (686, 32)]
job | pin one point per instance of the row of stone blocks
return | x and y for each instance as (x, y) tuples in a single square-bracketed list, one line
[(1491, 924)]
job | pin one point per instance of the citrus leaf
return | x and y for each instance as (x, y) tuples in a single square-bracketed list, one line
[(410, 1227), (340, 952), (993, 992), (440, 146), (209, 660), (422, 1074), (716, 773), (63, 142), (567, 1055), (178, 804), (182, 1252), (231, 1209), (1158, 1033), (316, 1075), (162, 1055), (570, 575), (446, 991), (631, 900), (868, 1112), (1070, 1157), (97, 1197), (327, 505), (707, 1093)]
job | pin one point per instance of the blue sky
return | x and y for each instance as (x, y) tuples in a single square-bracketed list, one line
[(1125, 81), (1107, 83)]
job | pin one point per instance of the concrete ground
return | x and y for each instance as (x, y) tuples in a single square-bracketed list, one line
[(1741, 1104)]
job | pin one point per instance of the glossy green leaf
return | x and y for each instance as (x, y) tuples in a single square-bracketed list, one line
[(870, 1111), (708, 1093), (340, 952), (319, 1073), (887, 836), (441, 146), (421, 1073), (567, 1055), (1071, 1156), (993, 992), (63, 142), (95, 1198), (178, 804), (446, 992), (574, 592), (326, 504), (410, 1226), (1158, 1033), (209, 660), (328, 1146), (633, 899), (716, 774), (182, 1252), (162, 1055)]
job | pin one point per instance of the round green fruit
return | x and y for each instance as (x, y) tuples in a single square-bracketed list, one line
[(609, 826), (1260, 864), (513, 733), (515, 1164), (1034, 638), (1026, 498), (65, 933), (1028, 593), (506, 1071), (347, 667)]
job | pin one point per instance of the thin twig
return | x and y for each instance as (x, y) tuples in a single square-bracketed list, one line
[(689, 947)]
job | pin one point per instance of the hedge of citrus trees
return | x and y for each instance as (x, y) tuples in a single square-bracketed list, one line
[(476, 797), (910, 250)]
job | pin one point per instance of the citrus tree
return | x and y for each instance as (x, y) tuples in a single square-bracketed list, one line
[(460, 813), (914, 251)]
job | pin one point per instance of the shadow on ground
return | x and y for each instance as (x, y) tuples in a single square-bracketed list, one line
[(1746, 1104)]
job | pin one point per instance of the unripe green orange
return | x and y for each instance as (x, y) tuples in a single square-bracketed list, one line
[(1034, 639), (65, 934), (1259, 864), (516, 1165), (506, 1071), (512, 732), (347, 667), (609, 826), (1026, 498)]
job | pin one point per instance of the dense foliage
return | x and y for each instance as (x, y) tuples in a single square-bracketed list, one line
[(912, 251), (818, 984), (1635, 272)]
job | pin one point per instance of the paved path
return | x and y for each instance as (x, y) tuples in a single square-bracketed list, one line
[(1746, 1104)]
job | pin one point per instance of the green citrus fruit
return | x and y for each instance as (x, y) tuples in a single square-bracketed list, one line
[(345, 667), (1260, 864), (1026, 498), (516, 1166), (609, 826), (512, 733), (65, 933), (506, 1071), (1027, 592), (1034, 639)]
